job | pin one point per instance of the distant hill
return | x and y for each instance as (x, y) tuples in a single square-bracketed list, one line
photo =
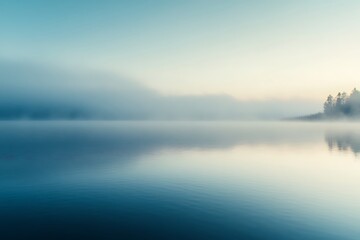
[(29, 91)]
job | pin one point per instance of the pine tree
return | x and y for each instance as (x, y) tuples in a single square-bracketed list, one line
[(329, 105)]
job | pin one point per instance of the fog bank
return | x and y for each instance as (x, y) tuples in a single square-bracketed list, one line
[(30, 91)]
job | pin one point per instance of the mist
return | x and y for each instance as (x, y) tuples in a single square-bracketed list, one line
[(34, 91)]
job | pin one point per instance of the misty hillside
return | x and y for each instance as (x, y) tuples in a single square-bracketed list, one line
[(36, 92)]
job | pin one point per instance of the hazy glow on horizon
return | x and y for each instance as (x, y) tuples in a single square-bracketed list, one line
[(250, 50)]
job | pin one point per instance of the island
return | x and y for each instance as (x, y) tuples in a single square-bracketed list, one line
[(340, 107)]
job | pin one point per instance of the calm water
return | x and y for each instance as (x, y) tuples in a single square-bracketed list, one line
[(161, 180)]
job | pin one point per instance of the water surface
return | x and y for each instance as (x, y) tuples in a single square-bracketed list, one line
[(179, 180)]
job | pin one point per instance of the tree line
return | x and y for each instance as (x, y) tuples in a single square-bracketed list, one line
[(343, 105)]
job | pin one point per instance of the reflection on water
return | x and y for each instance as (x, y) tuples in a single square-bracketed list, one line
[(41, 147), (343, 141), (179, 180)]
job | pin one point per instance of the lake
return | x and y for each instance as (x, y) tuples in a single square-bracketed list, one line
[(179, 180)]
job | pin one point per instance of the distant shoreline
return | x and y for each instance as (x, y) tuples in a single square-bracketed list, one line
[(318, 117)]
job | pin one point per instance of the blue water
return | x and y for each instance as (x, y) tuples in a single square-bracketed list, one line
[(179, 180)]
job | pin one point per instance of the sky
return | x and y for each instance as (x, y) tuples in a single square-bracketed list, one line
[(250, 50)]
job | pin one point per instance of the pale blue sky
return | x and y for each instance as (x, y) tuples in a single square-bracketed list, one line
[(248, 49)]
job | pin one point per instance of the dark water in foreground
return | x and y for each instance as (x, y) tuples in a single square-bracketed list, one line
[(159, 180)]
